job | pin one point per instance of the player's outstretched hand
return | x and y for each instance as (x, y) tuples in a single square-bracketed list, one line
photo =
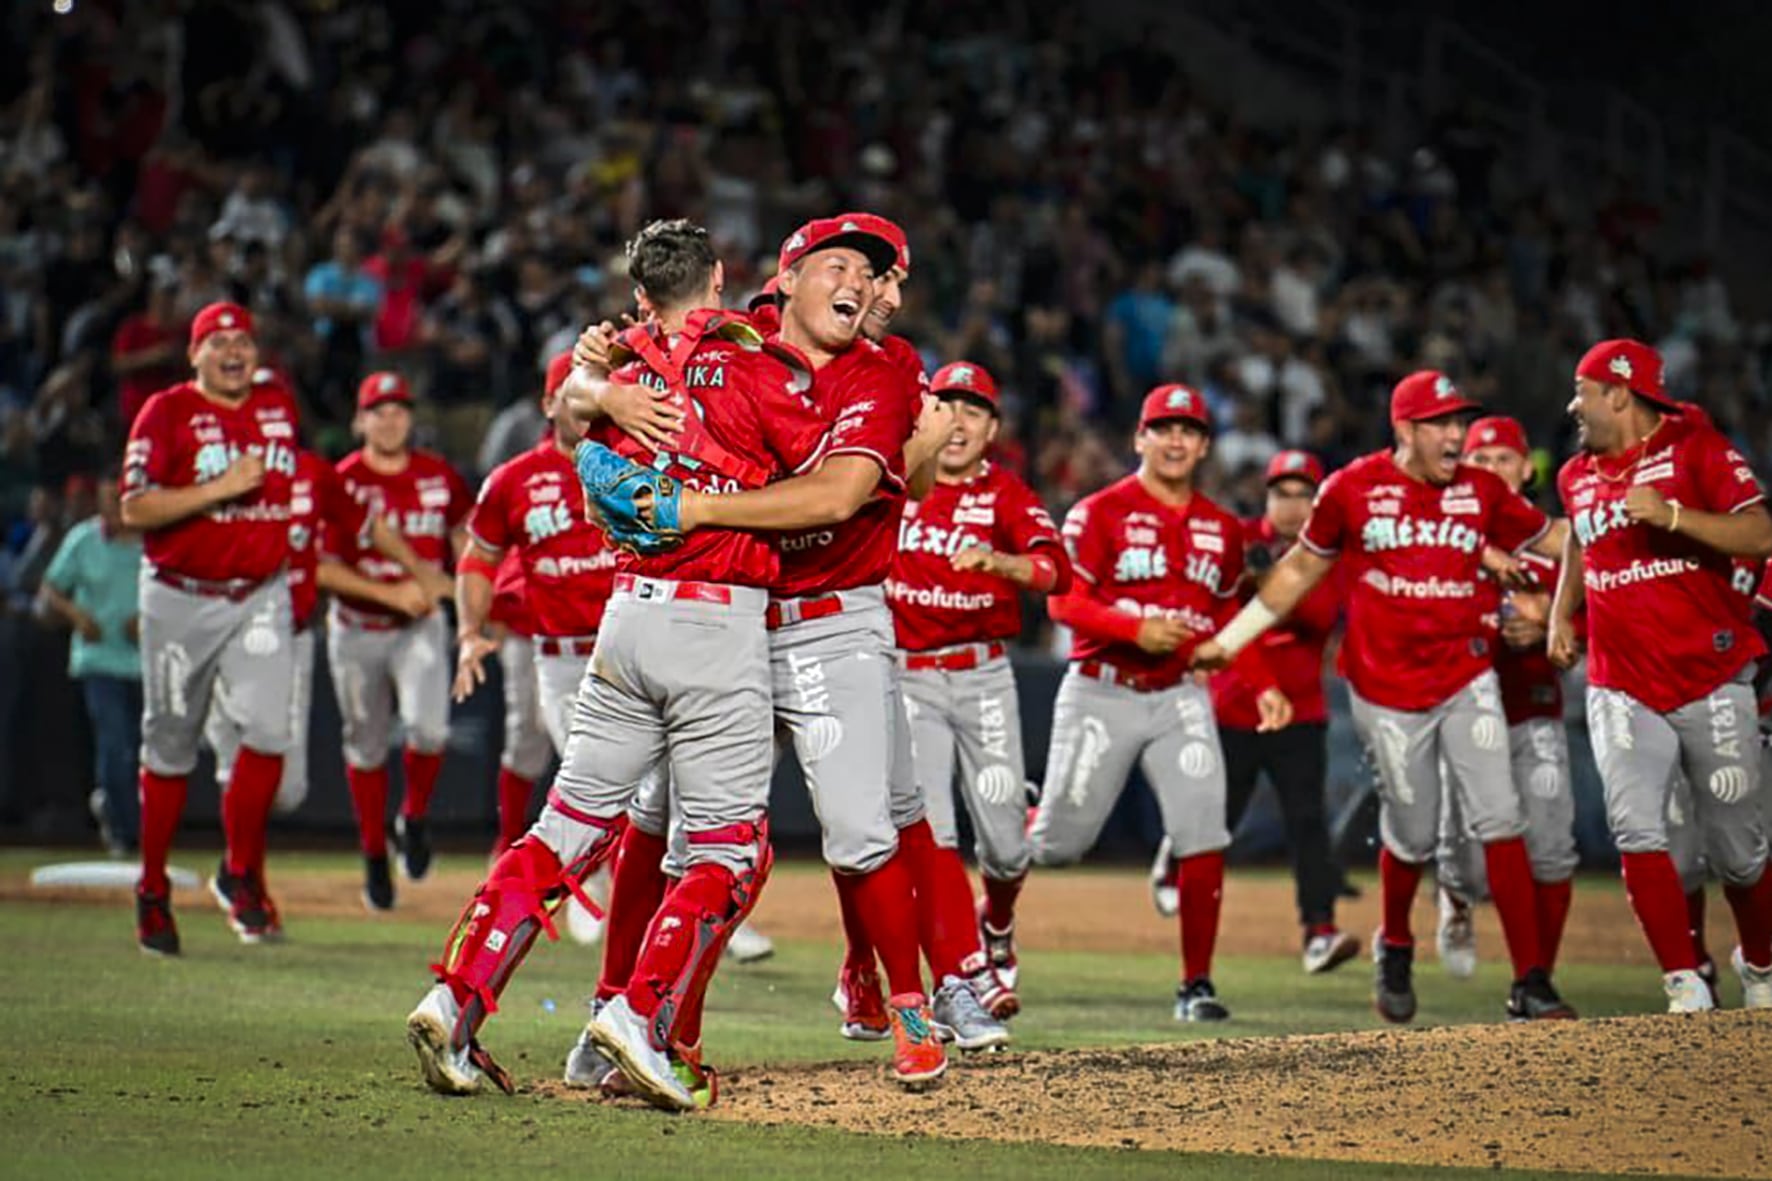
[(1275, 709), (470, 664), (1209, 656), (639, 508), (1160, 636), (1560, 644)]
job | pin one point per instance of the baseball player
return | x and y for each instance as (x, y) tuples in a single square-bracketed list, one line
[(1295, 759), (965, 553), (381, 660), (207, 473), (319, 501), (1412, 525), (1156, 564), (1659, 504), (1538, 746), (680, 675)]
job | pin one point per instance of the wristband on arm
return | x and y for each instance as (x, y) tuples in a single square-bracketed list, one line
[(1254, 619)]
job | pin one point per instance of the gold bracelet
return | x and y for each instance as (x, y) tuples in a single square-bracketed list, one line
[(1673, 523)]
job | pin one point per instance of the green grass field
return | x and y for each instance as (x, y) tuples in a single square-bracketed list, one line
[(290, 1060)]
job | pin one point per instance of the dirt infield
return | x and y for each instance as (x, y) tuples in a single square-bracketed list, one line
[(1626, 1095), (1058, 910)]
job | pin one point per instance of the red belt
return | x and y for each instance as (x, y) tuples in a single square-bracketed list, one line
[(371, 623), (655, 589), (802, 610), (234, 589), (1099, 670), (954, 660), (565, 645)]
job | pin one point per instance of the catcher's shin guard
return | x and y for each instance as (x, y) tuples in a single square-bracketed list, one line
[(692, 926), (517, 901)]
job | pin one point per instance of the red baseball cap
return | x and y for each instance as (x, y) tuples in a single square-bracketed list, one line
[(1174, 401), (767, 295), (859, 232), (385, 386), (1295, 465), (1497, 431), (558, 367), (964, 379), (886, 228), (1427, 394), (1629, 363), (220, 317)]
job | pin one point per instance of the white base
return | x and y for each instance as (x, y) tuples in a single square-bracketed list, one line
[(103, 875)]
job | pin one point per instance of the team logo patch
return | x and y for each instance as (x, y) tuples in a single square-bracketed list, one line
[(1488, 733), (1545, 782), (820, 738), (261, 639), (1729, 784), (996, 784), (1197, 760), (1443, 388), (1621, 366)]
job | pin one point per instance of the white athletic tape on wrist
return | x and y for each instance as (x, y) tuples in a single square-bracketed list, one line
[(1255, 618)]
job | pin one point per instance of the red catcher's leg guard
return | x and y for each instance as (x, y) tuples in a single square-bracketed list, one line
[(690, 930), (1653, 886), (513, 808), (246, 809), (1397, 882), (369, 800), (517, 900), (163, 803), (634, 897)]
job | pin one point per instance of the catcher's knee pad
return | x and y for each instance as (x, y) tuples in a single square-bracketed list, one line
[(697, 917), (515, 903)]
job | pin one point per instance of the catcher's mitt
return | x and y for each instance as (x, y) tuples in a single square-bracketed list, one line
[(636, 506)]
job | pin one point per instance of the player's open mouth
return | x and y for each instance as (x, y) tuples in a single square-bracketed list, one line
[(846, 310), (233, 369)]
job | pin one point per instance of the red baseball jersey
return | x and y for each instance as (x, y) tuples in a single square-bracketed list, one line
[(936, 606), (1292, 649), (871, 404), (532, 511), (424, 502), (751, 423), (1412, 553), (510, 594), (1664, 623), (182, 438), (319, 506), (904, 354), (1531, 686), (1140, 556)]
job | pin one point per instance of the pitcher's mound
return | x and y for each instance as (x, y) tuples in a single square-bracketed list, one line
[(1663, 1094)]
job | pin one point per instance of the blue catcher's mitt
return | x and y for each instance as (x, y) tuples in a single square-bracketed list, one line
[(637, 507)]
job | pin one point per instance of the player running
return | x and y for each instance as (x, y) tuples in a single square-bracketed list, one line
[(1157, 564), (207, 474), (381, 660), (1659, 505), (966, 551), (1412, 524), (1538, 745)]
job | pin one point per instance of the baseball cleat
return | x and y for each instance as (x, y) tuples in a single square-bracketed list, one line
[(1456, 937), (1165, 895), (1197, 1000), (999, 946), (1393, 992), (412, 835), (958, 1017), (378, 884), (918, 1058), (1534, 998), (155, 931), (859, 998), (1328, 950), (586, 1066), (242, 897), (998, 998), (1756, 983), (1686, 992), (620, 1033), (747, 945), (429, 1031)]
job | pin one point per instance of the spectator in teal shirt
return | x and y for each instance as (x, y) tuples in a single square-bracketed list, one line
[(91, 584)]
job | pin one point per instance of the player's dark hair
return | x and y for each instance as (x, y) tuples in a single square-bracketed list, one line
[(671, 261)]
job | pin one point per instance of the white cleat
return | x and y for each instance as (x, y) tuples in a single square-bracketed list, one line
[(429, 1028), (1756, 983), (1164, 894), (1456, 938), (586, 1066), (747, 945), (620, 1034), (1686, 992), (1330, 950)]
